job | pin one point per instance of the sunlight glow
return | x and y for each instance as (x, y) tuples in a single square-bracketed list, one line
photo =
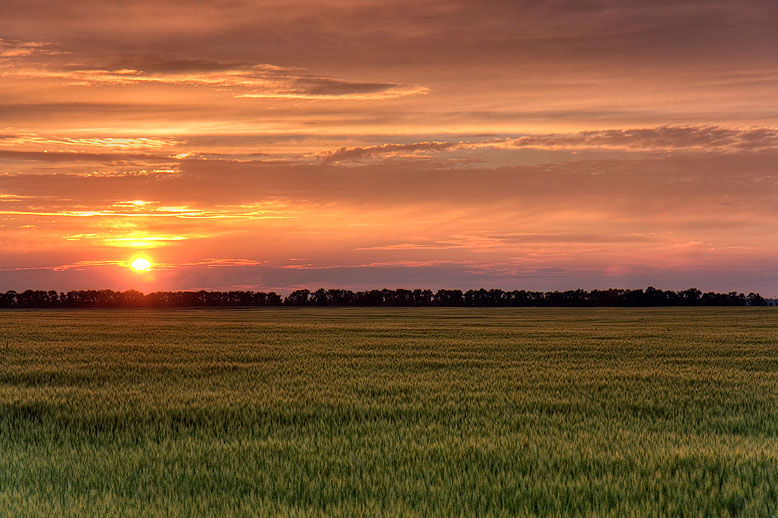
[(141, 264)]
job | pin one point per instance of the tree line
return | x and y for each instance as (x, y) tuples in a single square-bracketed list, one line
[(379, 298)]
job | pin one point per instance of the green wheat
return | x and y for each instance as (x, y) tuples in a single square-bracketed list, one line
[(352, 412)]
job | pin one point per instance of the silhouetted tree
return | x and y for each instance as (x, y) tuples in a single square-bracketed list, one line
[(754, 299), (297, 298), (386, 297), (448, 298)]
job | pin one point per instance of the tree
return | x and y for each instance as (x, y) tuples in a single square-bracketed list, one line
[(297, 298)]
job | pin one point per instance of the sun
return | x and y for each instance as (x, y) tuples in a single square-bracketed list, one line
[(141, 264)]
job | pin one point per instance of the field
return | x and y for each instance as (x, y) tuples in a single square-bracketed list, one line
[(389, 412)]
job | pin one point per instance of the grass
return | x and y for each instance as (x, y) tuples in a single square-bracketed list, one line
[(389, 412)]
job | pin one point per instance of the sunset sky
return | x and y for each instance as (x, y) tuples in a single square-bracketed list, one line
[(273, 145)]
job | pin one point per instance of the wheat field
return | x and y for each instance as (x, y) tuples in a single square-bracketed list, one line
[(425, 412)]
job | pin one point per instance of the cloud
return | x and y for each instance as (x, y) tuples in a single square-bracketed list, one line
[(388, 32), (156, 63), (309, 87), (487, 240), (627, 185), (80, 265), (243, 80), (664, 138), (122, 143), (463, 152), (360, 153), (697, 139), (77, 156), (18, 48), (325, 86), (133, 240), (389, 92), (152, 210)]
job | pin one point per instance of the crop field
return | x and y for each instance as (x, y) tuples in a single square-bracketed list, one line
[(424, 412)]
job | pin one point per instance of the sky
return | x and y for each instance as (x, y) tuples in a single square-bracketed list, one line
[(276, 145)]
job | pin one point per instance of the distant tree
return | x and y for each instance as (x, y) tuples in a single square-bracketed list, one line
[(422, 297), (131, 299), (340, 297), (398, 297), (448, 298), (754, 299), (386, 297), (690, 297), (273, 299), (369, 298), (297, 298), (320, 297)]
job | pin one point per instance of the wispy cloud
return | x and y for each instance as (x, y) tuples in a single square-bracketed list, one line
[(64, 267), (706, 139), (80, 156), (106, 142), (492, 240), (130, 239), (241, 80), (664, 138), (385, 150), (136, 209), (10, 48)]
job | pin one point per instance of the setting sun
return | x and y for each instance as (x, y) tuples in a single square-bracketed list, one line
[(141, 264)]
